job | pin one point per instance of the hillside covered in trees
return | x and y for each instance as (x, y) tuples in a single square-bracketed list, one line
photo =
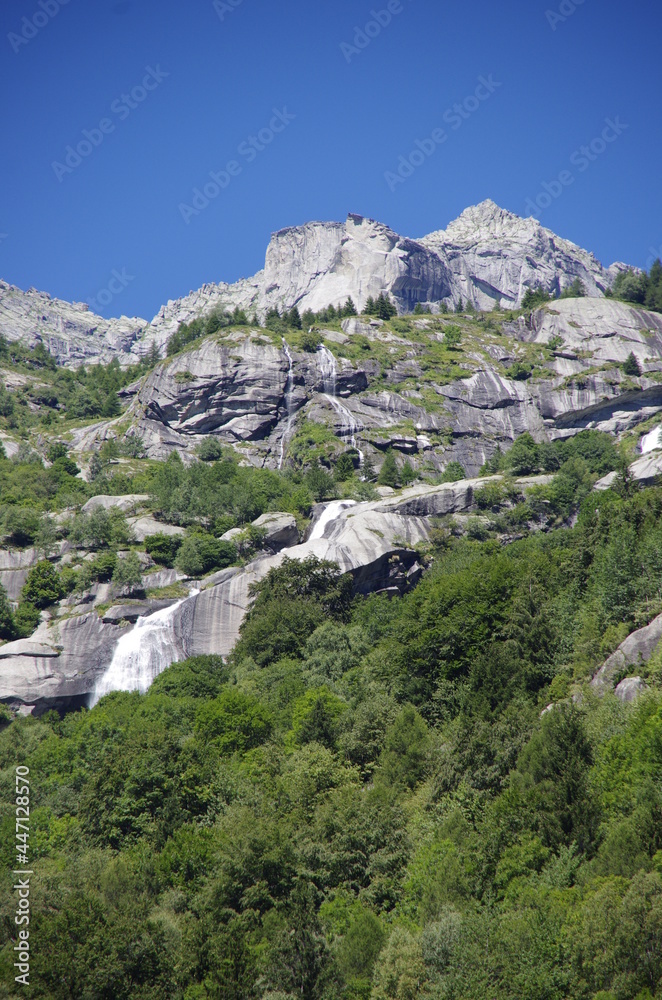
[(365, 800)]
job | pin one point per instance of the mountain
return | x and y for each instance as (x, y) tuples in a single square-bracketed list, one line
[(485, 257), (71, 333)]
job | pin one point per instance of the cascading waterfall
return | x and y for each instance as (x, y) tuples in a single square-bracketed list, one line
[(327, 363), (142, 654), (288, 403), (349, 425), (651, 441), (331, 513)]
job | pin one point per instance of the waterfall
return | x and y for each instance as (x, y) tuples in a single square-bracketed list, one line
[(349, 425), (142, 654), (651, 441), (331, 513), (288, 403), (327, 363)]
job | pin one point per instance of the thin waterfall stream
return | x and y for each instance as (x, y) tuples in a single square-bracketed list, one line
[(350, 426), (289, 387)]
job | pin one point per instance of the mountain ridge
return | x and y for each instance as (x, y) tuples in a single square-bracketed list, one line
[(487, 256)]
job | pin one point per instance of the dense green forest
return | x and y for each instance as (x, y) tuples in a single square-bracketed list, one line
[(365, 801)]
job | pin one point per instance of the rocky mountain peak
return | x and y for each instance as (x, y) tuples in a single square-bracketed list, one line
[(486, 256)]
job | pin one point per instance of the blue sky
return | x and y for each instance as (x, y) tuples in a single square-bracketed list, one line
[(205, 80)]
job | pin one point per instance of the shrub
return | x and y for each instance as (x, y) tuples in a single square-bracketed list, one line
[(42, 586), (344, 469), (26, 619), (201, 553), (453, 473), (452, 337), (489, 496), (534, 297), (7, 623), (310, 340), (100, 569), (197, 677), (128, 572), (523, 458), (163, 548), (234, 722), (210, 450), (519, 371), (21, 525)]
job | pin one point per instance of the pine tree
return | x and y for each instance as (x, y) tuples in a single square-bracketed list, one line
[(293, 318), (408, 475), (388, 474), (368, 470), (349, 309), (384, 308), (631, 365), (369, 309)]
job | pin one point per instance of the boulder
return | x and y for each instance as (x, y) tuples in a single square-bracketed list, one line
[(630, 688), (281, 530), (143, 527), (636, 649), (127, 504)]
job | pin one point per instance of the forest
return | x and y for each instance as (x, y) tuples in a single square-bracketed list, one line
[(369, 799)]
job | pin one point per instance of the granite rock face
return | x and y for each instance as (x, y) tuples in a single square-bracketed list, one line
[(251, 393), (486, 256), (494, 255), (71, 333), (58, 664)]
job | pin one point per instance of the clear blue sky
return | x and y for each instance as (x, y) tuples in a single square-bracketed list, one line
[(355, 114)]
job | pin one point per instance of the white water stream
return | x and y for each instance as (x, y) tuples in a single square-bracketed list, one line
[(651, 441), (330, 513), (142, 654), (349, 425), (288, 402)]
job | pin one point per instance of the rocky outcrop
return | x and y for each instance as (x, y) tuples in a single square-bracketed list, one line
[(633, 651), (59, 664), (14, 567), (603, 330), (71, 333), (249, 391), (279, 531), (494, 255)]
